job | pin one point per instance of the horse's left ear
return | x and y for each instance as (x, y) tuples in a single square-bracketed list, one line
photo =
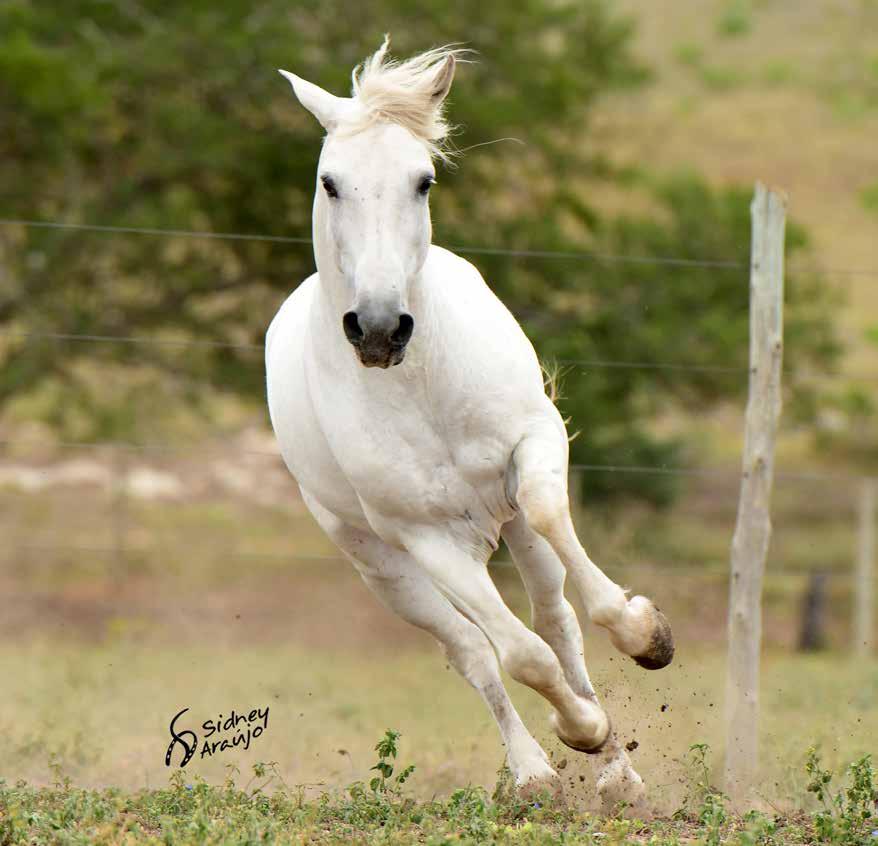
[(442, 82)]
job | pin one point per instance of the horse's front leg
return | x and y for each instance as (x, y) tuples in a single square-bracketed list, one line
[(523, 654), (402, 585), (636, 627), (554, 620)]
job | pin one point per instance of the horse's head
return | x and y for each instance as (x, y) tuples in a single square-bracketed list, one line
[(371, 215)]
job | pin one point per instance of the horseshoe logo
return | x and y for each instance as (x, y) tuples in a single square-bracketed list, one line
[(188, 748)]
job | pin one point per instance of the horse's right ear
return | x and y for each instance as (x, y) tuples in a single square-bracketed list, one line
[(326, 107)]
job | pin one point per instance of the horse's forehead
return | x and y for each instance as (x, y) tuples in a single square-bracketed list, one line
[(385, 147)]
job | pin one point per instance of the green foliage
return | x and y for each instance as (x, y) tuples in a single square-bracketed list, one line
[(172, 116), (869, 197), (735, 20), (197, 812), (386, 749), (779, 73), (721, 78), (705, 803), (689, 54), (847, 816)]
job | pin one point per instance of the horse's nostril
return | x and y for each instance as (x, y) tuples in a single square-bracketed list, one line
[(404, 331), (352, 329)]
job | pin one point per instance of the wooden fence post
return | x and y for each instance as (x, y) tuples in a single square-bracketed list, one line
[(864, 586), (753, 527)]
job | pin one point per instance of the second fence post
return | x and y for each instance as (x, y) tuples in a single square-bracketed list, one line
[(753, 527), (864, 585)]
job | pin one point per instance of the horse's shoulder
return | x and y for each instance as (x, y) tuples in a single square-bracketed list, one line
[(450, 265), (293, 308)]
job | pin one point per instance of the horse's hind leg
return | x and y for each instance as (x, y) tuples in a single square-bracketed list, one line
[(635, 625), (401, 584), (554, 620)]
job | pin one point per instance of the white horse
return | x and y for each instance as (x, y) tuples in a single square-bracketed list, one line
[(410, 407)]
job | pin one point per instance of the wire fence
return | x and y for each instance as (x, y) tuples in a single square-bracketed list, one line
[(509, 252), (718, 570), (477, 250), (37, 446), (121, 550)]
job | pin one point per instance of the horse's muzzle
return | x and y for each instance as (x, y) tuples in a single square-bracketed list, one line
[(379, 342)]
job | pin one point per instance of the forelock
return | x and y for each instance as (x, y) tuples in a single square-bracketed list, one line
[(403, 93)]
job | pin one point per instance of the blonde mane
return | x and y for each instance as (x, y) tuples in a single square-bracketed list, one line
[(403, 93)]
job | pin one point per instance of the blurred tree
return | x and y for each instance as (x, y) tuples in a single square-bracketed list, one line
[(147, 114)]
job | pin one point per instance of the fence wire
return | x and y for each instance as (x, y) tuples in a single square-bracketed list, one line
[(572, 255), (475, 250), (645, 469), (468, 250)]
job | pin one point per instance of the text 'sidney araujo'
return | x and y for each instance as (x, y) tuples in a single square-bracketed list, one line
[(235, 730)]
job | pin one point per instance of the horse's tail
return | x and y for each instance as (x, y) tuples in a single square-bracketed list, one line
[(553, 374)]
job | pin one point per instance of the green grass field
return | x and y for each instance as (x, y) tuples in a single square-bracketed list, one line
[(248, 811), (78, 717), (217, 603)]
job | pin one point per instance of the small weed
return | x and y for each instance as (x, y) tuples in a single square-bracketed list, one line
[(847, 816), (869, 198), (778, 73), (711, 811), (735, 20), (721, 78), (386, 749), (689, 54)]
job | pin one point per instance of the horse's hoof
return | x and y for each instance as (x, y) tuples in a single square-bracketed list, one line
[(544, 789), (618, 784), (644, 633), (589, 745), (660, 651)]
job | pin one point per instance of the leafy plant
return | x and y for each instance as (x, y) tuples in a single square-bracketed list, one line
[(704, 802), (735, 20), (848, 815), (869, 197), (387, 749)]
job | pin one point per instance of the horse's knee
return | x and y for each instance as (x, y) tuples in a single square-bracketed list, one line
[(542, 498), (470, 653)]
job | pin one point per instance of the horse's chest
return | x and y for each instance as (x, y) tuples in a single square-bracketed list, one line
[(425, 463)]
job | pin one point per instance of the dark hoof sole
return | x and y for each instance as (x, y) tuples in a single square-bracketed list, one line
[(661, 648)]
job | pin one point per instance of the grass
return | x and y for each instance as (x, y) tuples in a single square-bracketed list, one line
[(735, 19), (869, 198), (99, 655), (102, 711), (265, 809)]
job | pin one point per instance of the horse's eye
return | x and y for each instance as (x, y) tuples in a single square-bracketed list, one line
[(329, 187), (424, 185)]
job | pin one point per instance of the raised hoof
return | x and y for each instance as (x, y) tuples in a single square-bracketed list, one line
[(660, 651), (579, 746)]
